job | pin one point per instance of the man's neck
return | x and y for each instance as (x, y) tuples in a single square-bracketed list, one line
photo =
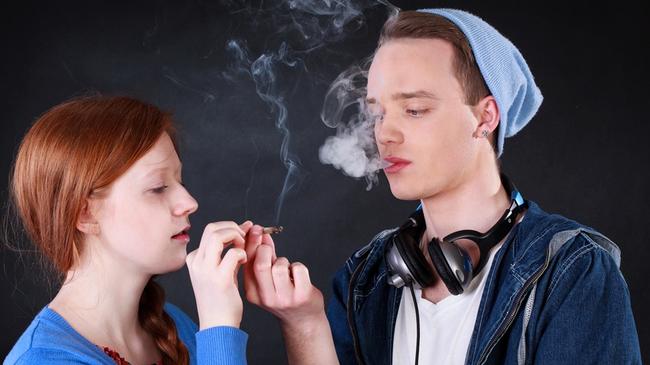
[(475, 202)]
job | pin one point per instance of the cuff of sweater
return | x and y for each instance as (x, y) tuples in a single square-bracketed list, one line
[(221, 345)]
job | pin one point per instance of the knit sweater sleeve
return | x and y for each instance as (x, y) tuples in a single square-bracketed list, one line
[(221, 345), (43, 356), (215, 345)]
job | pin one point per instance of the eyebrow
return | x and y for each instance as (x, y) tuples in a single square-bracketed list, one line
[(162, 168), (407, 95)]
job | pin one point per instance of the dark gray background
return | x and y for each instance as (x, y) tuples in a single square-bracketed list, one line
[(585, 155)]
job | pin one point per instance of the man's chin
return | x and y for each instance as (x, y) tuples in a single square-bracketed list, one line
[(402, 193)]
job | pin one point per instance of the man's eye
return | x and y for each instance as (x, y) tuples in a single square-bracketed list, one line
[(160, 189), (415, 112)]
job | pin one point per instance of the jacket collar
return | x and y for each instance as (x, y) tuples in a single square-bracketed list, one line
[(526, 245)]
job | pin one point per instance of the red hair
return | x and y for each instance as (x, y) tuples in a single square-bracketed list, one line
[(74, 149)]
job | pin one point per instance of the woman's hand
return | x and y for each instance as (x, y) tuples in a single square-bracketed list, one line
[(278, 286), (214, 279)]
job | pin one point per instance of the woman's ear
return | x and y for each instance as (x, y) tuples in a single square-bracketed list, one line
[(86, 222), (487, 113)]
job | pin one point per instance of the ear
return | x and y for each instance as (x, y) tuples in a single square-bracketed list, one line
[(86, 222), (487, 113)]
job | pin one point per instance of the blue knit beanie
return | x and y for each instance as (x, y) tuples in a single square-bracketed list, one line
[(504, 70)]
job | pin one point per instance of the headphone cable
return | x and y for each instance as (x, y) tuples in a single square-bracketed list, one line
[(417, 323)]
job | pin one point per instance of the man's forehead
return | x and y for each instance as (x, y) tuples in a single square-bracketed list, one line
[(414, 50), (410, 69)]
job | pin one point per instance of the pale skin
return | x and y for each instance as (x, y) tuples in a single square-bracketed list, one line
[(128, 231), (422, 117)]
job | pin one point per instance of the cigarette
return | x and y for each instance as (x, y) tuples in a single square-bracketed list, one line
[(272, 230)]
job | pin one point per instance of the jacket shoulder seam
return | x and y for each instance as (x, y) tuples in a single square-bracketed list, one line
[(567, 264)]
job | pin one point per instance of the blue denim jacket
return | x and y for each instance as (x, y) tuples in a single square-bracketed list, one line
[(554, 295)]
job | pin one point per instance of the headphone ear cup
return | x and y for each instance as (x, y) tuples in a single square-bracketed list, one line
[(441, 265), (414, 259)]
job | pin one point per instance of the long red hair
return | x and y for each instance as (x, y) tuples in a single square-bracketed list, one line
[(75, 148)]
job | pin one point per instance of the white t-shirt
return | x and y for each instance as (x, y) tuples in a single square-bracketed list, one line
[(445, 328)]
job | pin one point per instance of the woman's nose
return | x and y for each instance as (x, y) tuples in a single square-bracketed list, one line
[(186, 204)]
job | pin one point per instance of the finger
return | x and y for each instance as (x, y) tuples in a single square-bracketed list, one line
[(213, 227), (231, 261), (217, 241), (190, 257), (301, 280), (281, 279), (246, 226), (263, 276), (253, 240), (267, 240)]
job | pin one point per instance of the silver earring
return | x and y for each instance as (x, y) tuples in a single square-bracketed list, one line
[(485, 133)]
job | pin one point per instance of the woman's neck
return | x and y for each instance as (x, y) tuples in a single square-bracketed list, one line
[(100, 299)]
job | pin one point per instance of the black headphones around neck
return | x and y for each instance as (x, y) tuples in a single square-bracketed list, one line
[(407, 264)]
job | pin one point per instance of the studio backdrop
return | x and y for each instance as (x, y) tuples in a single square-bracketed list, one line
[(247, 85)]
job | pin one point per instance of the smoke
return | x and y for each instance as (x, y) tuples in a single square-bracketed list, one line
[(353, 148), (263, 72), (303, 27)]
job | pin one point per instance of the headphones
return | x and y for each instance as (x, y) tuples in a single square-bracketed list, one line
[(407, 264)]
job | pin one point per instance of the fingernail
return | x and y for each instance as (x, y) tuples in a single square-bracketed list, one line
[(257, 230)]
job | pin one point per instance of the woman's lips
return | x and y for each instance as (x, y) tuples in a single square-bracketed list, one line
[(396, 164), (182, 237)]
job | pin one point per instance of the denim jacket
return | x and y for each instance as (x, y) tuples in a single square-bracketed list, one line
[(554, 295)]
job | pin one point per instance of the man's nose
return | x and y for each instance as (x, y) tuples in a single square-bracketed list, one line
[(387, 130)]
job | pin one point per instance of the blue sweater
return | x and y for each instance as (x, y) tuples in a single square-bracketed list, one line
[(50, 339)]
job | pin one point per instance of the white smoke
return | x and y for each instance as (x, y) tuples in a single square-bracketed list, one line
[(304, 26), (352, 149)]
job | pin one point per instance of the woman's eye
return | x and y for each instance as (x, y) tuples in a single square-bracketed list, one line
[(159, 189)]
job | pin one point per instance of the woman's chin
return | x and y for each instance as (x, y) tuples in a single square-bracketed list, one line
[(172, 264)]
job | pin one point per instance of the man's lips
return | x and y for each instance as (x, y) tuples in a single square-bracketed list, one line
[(396, 164)]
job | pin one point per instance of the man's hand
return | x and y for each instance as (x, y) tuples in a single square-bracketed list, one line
[(275, 284), (285, 290)]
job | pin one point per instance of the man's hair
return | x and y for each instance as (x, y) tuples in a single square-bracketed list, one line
[(413, 24)]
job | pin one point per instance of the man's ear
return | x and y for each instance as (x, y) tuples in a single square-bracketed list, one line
[(487, 113), (86, 222)]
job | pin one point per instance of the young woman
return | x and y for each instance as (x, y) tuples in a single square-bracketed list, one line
[(97, 185)]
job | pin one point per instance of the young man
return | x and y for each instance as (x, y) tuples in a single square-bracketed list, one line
[(483, 286)]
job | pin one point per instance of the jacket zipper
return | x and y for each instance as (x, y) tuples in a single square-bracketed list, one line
[(504, 327), (355, 337)]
